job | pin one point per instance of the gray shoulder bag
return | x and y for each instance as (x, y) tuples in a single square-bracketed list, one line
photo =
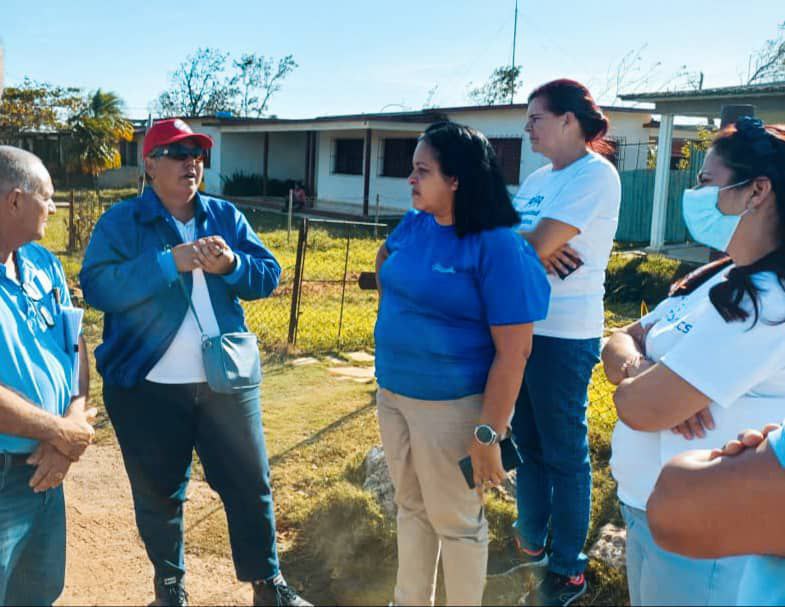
[(231, 360)]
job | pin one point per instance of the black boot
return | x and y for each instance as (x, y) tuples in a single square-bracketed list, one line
[(276, 593), (170, 591)]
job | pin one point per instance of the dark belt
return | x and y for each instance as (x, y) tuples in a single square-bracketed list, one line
[(15, 459)]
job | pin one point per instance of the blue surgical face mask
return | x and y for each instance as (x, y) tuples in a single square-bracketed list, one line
[(707, 224)]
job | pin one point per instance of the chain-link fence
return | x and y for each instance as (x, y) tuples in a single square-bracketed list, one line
[(317, 306), (332, 310)]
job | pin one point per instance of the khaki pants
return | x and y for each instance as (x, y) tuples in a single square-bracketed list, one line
[(437, 512)]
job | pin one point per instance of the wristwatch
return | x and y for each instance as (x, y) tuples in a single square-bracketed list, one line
[(486, 435)]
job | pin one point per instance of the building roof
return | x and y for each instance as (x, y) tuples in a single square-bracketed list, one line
[(727, 92), (417, 116)]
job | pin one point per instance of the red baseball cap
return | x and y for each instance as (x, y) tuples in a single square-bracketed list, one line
[(169, 131)]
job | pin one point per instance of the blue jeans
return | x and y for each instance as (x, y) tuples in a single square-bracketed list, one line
[(658, 577), (32, 539), (554, 480), (158, 427)]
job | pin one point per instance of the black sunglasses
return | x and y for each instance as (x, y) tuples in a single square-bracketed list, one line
[(178, 151)]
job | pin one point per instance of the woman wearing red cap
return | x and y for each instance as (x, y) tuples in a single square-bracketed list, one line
[(169, 269)]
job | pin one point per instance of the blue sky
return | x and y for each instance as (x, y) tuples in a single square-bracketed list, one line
[(362, 56)]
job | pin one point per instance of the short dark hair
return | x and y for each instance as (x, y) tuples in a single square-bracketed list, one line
[(565, 95), (482, 201)]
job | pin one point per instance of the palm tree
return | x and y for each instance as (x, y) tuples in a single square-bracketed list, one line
[(95, 132)]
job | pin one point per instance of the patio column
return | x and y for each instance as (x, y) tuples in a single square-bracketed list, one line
[(659, 211), (367, 171), (266, 163)]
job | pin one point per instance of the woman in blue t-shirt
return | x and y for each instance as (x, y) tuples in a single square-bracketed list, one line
[(459, 293)]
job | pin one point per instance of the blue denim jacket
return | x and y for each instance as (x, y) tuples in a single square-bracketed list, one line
[(129, 275)]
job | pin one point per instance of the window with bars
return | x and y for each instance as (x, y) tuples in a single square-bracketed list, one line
[(617, 150), (348, 159), (508, 155), (128, 152), (397, 159)]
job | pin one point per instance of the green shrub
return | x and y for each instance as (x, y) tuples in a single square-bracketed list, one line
[(635, 277), (252, 184)]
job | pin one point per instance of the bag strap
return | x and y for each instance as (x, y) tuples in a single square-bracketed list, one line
[(183, 288)]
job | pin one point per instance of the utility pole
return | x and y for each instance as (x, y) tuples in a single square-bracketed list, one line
[(514, 40)]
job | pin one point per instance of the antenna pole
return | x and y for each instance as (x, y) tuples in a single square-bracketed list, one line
[(514, 40)]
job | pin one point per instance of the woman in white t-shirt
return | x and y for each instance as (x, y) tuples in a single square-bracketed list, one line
[(569, 212), (709, 357)]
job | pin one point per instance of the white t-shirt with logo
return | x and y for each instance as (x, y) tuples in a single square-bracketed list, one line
[(586, 195), (182, 362), (740, 367)]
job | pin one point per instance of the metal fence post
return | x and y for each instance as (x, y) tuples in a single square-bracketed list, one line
[(294, 314), (71, 234), (376, 219), (343, 282), (289, 216)]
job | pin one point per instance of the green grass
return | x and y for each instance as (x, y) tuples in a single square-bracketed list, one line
[(335, 542), (107, 195), (635, 277)]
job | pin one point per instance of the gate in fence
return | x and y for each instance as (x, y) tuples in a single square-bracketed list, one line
[(329, 310)]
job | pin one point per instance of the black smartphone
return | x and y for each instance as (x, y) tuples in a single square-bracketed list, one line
[(511, 457), (576, 260)]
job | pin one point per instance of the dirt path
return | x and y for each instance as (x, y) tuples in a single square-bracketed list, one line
[(107, 563)]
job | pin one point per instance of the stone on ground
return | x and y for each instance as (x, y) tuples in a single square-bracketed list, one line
[(305, 360), (378, 482), (360, 357), (360, 374), (610, 546)]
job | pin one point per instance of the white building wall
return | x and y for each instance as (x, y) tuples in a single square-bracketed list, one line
[(242, 152), (212, 176), (287, 156), (124, 177), (394, 192), (629, 128), (333, 187)]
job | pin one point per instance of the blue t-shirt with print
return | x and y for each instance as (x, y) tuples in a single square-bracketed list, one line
[(763, 582), (440, 296)]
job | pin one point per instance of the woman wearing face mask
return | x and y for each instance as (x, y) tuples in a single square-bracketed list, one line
[(459, 293), (569, 212), (710, 355)]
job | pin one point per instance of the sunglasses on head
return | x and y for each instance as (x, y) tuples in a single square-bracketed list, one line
[(179, 151)]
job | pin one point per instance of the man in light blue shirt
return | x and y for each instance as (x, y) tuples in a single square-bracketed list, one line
[(726, 502), (43, 428)]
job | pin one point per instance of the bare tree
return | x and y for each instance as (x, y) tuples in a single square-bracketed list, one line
[(630, 75), (502, 84), (259, 78), (768, 63), (633, 74), (428, 103), (198, 86)]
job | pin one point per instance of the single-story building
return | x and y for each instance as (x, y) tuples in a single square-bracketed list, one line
[(348, 163), (52, 147)]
